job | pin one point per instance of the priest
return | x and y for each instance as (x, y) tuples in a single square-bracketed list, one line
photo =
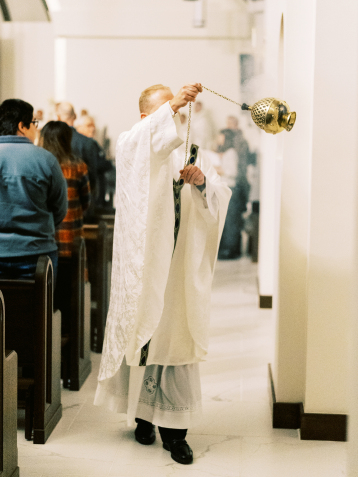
[(169, 219)]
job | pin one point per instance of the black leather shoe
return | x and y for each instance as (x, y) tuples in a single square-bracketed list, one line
[(180, 451), (145, 433)]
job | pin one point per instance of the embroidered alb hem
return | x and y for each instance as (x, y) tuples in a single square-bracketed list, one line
[(169, 419), (168, 408)]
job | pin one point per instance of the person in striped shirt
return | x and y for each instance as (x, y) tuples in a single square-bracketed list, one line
[(56, 137)]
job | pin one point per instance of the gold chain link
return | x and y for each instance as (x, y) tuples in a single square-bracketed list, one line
[(187, 135), (189, 119), (221, 96)]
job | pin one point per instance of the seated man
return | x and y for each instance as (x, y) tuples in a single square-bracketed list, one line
[(33, 194)]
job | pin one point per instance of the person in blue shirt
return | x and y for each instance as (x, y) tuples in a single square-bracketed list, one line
[(33, 194)]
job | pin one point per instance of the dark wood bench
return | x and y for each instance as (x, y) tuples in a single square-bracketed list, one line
[(8, 408), (108, 219), (33, 330), (73, 299), (99, 239)]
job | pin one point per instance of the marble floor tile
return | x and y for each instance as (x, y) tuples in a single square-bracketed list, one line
[(28, 474), (158, 462), (55, 464), (281, 456), (235, 437), (242, 418)]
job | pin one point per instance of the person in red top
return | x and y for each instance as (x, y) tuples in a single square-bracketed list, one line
[(56, 137)]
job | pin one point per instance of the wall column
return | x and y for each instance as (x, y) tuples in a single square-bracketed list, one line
[(332, 239)]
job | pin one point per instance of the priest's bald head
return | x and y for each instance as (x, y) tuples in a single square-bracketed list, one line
[(155, 96), (152, 98)]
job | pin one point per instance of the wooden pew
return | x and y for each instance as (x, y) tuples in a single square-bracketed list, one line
[(33, 330), (8, 408), (109, 220), (73, 299), (98, 244)]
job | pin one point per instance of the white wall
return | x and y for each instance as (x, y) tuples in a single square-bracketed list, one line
[(271, 162), (101, 55), (315, 263), (141, 18), (27, 62), (333, 208), (114, 52), (107, 76), (296, 150)]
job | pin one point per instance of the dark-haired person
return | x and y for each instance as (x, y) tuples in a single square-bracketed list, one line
[(56, 137), (33, 194)]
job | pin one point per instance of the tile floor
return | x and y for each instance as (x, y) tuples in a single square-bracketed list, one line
[(235, 438)]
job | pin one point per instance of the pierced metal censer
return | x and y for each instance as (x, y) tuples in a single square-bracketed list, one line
[(272, 115)]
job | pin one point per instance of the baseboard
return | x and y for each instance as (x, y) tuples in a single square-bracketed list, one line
[(285, 415), (265, 301), (324, 427), (313, 427)]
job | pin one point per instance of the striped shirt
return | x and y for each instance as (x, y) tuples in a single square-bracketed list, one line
[(79, 196)]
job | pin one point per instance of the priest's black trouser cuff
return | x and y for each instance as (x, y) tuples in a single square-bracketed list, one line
[(167, 434)]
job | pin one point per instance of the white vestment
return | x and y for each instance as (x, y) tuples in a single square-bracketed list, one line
[(156, 295)]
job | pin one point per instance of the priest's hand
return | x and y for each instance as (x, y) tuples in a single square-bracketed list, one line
[(187, 93), (192, 175)]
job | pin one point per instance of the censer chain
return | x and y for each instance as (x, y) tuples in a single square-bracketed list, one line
[(189, 119)]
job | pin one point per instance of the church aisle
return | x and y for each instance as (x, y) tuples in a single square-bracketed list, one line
[(235, 438)]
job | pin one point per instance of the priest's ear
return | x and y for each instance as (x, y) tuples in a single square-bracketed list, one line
[(143, 115)]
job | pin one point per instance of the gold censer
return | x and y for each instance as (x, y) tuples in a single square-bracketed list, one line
[(272, 115)]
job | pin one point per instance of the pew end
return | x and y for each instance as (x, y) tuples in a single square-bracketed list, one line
[(99, 243), (8, 409), (73, 298), (33, 330)]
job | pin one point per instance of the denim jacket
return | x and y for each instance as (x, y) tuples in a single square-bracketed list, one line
[(33, 198)]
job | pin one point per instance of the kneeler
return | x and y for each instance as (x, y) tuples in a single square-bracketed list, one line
[(177, 187)]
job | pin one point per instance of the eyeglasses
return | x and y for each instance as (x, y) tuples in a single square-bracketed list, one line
[(35, 122)]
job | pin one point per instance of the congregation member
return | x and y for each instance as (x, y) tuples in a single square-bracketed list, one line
[(56, 138), (82, 146), (163, 264), (90, 152), (39, 116), (233, 149), (86, 126), (33, 194)]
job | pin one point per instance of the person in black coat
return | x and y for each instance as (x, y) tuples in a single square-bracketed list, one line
[(88, 150), (87, 126)]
